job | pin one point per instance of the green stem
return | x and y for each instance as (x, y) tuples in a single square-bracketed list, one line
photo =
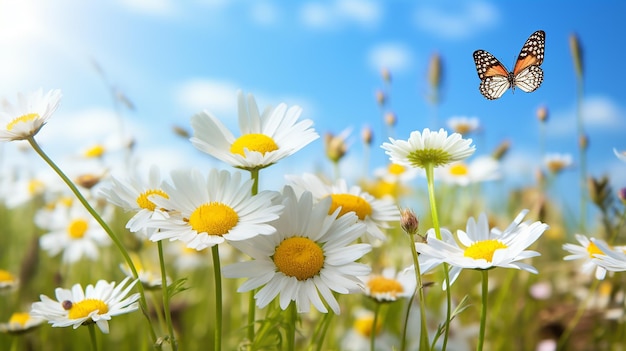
[(254, 175), (217, 272), (374, 330), (483, 311), (582, 155), (430, 177), (406, 323), (166, 298), (92, 336), (291, 326), (420, 287), (321, 336), (105, 226)]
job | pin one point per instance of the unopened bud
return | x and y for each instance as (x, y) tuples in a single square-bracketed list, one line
[(367, 135), (336, 146), (599, 191), (501, 150), (577, 54), (408, 221), (88, 181), (386, 75), (181, 132), (542, 114), (390, 119), (435, 71), (381, 98), (583, 142)]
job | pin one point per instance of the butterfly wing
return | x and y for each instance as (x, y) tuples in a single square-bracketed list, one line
[(528, 76), (494, 77)]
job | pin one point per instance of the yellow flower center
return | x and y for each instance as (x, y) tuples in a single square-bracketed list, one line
[(350, 203), (463, 128), (593, 249), (423, 157), (484, 249), (395, 169), (36, 186), (253, 142), (19, 318), (6, 277), (299, 257), (458, 170), (363, 325), (77, 228), (95, 151), (382, 285), (214, 218), (25, 118), (143, 200), (83, 308)]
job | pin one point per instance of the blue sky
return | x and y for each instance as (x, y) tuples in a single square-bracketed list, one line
[(174, 58)]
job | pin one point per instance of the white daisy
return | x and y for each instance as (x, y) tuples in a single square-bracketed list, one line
[(375, 213), (209, 210), (20, 322), (484, 248), (463, 125), (134, 195), (586, 251), (308, 257), (96, 304), (358, 338), (24, 119), (620, 154), (481, 169), (555, 162), (71, 230), (390, 286), (265, 139), (7, 280), (429, 148), (611, 259)]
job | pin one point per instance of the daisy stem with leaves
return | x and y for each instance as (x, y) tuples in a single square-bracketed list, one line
[(118, 243), (166, 298), (430, 178), (291, 326)]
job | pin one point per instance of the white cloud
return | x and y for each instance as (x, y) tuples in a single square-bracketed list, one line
[(217, 97), (599, 112), (396, 57), (340, 13), (264, 13), (150, 7), (460, 22)]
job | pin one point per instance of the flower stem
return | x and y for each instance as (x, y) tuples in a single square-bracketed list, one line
[(166, 298), (92, 336), (254, 175), (483, 311), (579, 313), (291, 326), (430, 177), (218, 297), (105, 226), (322, 330), (424, 343), (373, 331)]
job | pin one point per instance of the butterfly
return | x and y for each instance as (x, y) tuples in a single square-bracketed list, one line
[(495, 79)]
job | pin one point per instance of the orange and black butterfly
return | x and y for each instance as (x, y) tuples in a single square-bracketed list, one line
[(495, 79)]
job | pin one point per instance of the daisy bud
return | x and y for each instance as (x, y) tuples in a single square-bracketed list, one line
[(621, 194), (577, 54), (599, 191), (390, 119), (367, 135), (408, 221), (88, 181), (381, 98), (336, 147), (501, 150), (386, 75), (181, 132), (583, 142), (542, 113), (435, 71)]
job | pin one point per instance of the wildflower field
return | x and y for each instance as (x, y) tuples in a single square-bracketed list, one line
[(431, 250)]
